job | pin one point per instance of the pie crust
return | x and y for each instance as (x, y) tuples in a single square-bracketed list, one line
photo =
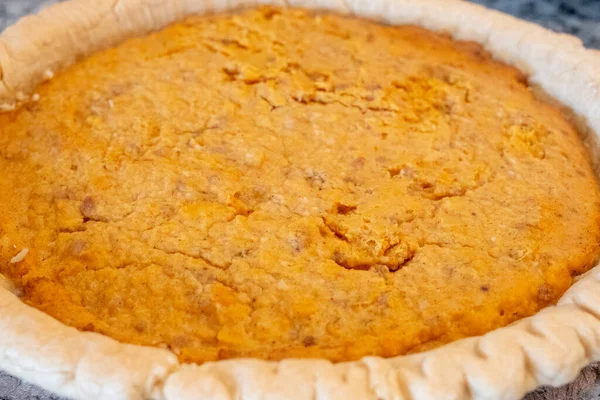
[(549, 348)]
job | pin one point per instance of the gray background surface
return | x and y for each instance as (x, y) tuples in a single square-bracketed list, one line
[(577, 17)]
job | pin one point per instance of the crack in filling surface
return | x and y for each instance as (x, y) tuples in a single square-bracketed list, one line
[(276, 183)]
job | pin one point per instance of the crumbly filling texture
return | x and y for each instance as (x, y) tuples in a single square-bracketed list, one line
[(277, 183)]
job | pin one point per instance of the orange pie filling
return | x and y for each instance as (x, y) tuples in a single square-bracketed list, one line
[(276, 183)]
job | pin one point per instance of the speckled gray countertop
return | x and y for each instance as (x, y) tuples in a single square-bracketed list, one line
[(577, 17)]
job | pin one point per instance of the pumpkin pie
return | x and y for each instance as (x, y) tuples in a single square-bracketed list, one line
[(271, 184)]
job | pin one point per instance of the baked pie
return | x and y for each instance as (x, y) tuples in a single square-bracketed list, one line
[(276, 184)]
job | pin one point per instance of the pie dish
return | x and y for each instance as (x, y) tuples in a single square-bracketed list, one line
[(547, 348)]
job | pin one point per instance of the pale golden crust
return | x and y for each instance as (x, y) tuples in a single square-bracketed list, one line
[(268, 196)]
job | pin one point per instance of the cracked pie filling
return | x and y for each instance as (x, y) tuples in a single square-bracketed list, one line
[(278, 183)]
